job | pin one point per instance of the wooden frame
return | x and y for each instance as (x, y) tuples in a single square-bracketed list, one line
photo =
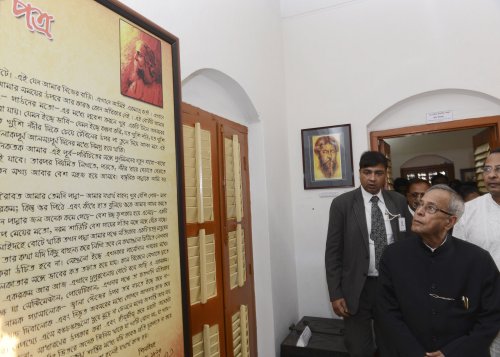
[(483, 122), (327, 157), (91, 173)]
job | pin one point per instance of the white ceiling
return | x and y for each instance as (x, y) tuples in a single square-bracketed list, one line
[(291, 8)]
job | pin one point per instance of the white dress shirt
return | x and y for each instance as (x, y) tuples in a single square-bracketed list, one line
[(480, 224)]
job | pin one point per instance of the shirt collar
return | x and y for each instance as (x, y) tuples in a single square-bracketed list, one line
[(434, 249), (411, 210), (492, 201), (367, 196)]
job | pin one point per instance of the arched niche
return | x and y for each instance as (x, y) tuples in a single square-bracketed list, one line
[(218, 93), (463, 104), (426, 160)]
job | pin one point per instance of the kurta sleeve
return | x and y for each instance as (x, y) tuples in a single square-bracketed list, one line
[(390, 317)]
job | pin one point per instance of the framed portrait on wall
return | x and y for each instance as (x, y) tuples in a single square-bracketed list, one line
[(327, 157)]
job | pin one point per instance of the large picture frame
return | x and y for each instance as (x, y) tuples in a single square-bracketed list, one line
[(91, 207), (327, 157)]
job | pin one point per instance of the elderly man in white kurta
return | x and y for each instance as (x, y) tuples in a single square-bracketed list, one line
[(480, 224)]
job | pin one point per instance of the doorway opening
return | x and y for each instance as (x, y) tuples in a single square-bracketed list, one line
[(470, 139)]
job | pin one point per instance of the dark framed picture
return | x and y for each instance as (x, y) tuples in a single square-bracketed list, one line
[(327, 157), (468, 175)]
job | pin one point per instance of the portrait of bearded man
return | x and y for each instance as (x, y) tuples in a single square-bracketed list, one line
[(141, 69), (326, 149)]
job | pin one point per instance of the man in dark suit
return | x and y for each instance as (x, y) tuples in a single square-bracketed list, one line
[(438, 295), (360, 227)]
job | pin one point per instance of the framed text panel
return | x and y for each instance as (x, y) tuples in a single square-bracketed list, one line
[(90, 175)]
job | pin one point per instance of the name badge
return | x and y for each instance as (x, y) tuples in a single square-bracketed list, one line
[(402, 224)]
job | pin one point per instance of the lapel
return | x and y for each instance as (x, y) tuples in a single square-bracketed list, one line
[(359, 213), (391, 207)]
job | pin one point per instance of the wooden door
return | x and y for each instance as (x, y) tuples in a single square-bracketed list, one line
[(237, 250), (203, 233), (385, 148), (218, 233)]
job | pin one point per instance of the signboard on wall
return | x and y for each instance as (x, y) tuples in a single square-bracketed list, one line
[(90, 213)]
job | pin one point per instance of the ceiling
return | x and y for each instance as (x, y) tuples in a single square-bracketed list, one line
[(290, 8)]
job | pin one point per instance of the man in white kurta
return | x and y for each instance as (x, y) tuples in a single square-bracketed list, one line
[(480, 224)]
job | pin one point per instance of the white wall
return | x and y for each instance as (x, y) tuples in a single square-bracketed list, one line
[(328, 62), (243, 41), (351, 64)]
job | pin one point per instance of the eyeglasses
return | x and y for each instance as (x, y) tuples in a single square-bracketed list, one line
[(417, 194), (490, 169), (431, 209)]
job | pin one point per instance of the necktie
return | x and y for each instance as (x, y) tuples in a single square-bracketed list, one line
[(378, 234)]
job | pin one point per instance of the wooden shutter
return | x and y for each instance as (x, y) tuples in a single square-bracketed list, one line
[(237, 254), (218, 233), (203, 232), (241, 340), (385, 149), (207, 342)]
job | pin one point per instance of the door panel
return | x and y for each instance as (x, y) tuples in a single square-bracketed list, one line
[(218, 232), (239, 288), (202, 230)]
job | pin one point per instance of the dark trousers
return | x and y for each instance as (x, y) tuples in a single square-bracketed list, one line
[(360, 328)]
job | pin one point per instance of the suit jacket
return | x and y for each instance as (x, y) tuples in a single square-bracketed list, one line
[(347, 252), (420, 298)]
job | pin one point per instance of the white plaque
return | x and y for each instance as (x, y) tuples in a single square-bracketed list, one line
[(437, 117)]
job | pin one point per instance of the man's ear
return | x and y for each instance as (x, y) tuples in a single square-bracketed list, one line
[(451, 222)]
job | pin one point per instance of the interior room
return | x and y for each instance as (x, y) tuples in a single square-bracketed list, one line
[(421, 75), (375, 65), (279, 67)]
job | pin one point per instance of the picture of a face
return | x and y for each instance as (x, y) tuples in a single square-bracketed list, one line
[(139, 55), (327, 160), (144, 62), (141, 69), (326, 149)]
